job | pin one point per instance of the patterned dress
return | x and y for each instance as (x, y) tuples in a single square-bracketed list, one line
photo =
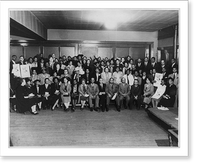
[(149, 91)]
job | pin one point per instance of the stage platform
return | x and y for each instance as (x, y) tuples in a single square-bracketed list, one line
[(168, 119)]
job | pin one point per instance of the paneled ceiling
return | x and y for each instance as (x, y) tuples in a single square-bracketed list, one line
[(127, 20)]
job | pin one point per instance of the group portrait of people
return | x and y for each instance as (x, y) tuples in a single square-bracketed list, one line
[(96, 83)]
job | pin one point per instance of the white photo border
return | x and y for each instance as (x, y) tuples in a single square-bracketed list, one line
[(183, 148)]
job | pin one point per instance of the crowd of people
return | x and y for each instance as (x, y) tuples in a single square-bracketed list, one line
[(96, 82)]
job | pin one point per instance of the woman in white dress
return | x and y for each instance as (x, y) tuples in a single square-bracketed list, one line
[(158, 94)]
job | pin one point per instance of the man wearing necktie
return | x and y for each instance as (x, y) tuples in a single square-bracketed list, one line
[(124, 93), (129, 78), (111, 91), (97, 76), (93, 91), (174, 76), (176, 81)]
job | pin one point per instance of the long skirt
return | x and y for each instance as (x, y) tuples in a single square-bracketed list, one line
[(24, 105), (167, 102)]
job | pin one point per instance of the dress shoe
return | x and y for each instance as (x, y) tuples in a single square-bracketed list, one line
[(91, 109), (118, 109), (34, 113)]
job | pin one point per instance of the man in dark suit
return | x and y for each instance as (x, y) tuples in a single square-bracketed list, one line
[(97, 75), (13, 61), (87, 76), (21, 60), (77, 76), (139, 65), (111, 91), (153, 64), (172, 65), (45, 92), (165, 74), (135, 94), (146, 65), (13, 79), (161, 65), (124, 91)]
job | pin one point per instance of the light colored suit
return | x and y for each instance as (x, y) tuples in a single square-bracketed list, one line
[(93, 91), (124, 93), (111, 89)]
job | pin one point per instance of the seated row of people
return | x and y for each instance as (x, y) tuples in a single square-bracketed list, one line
[(49, 95)]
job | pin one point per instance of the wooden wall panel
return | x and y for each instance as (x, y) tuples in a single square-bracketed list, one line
[(67, 51), (51, 50), (32, 51), (136, 53), (122, 52), (88, 51), (16, 50), (105, 52)]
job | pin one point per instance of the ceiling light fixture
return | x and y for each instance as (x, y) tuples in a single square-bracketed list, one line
[(24, 44), (111, 25), (110, 18)]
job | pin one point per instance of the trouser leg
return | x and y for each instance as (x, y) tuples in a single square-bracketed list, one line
[(97, 102), (90, 102), (127, 101)]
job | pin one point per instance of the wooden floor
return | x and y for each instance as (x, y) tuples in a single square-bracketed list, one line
[(129, 128)]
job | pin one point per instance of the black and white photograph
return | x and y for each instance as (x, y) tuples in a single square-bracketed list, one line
[(96, 78)]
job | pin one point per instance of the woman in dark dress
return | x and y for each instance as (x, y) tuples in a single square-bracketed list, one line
[(58, 70), (23, 100), (37, 92), (31, 96), (12, 100), (135, 95), (55, 93), (45, 92), (102, 95), (144, 78), (75, 94), (168, 97)]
